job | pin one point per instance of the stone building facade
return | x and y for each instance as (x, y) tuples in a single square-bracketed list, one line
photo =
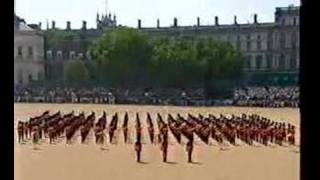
[(270, 49), (29, 62)]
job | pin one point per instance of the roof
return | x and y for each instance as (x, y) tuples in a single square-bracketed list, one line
[(24, 27)]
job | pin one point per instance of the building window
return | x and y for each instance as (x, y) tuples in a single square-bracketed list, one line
[(293, 62), (293, 40), (248, 62), (30, 78), (238, 43), (20, 78), (19, 51), (72, 55), (59, 54), (258, 43), (259, 62), (269, 42), (49, 54), (282, 40), (259, 37), (294, 21), (248, 43), (269, 61), (40, 75), (248, 46), (30, 51), (283, 21), (282, 62)]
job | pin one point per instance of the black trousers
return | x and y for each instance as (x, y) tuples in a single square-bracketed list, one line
[(138, 155), (189, 156), (164, 155)]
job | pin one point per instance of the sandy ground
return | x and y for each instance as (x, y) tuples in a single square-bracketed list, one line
[(117, 161)]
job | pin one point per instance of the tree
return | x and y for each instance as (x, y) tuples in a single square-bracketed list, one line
[(122, 57), (128, 57), (76, 72)]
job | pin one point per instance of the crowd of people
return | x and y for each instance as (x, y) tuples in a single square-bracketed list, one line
[(249, 129), (247, 96), (267, 96), (101, 95)]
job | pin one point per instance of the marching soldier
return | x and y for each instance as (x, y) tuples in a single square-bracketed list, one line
[(189, 149), (164, 149), (138, 148)]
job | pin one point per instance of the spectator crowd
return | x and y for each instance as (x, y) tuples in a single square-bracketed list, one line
[(267, 96), (247, 96)]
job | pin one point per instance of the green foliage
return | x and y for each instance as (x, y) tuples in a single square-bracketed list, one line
[(128, 57), (76, 72), (122, 57)]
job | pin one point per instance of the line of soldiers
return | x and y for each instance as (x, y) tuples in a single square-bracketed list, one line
[(249, 129)]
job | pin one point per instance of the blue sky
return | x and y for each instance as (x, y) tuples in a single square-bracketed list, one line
[(129, 11)]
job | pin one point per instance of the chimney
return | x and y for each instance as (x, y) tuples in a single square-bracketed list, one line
[(39, 25), (139, 24), (216, 21), (53, 26), (198, 21), (255, 19), (68, 25), (235, 20), (175, 22), (158, 23), (84, 25)]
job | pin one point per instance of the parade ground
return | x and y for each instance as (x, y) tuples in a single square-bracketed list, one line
[(117, 161)]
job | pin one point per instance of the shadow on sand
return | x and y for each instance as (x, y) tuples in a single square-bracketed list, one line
[(141, 162), (196, 163), (104, 149), (169, 162), (36, 149)]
